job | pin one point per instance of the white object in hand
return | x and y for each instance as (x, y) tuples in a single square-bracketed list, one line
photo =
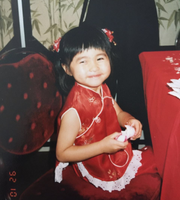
[(126, 134)]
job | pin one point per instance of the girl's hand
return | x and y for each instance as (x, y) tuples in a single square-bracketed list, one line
[(137, 126), (110, 145)]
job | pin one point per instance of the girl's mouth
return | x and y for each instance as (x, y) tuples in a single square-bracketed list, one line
[(94, 76)]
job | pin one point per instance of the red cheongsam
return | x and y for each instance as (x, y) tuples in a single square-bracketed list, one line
[(98, 119)]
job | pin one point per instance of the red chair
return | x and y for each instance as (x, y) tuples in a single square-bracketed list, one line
[(29, 104)]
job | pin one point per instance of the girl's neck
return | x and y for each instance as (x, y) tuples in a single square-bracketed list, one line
[(98, 91)]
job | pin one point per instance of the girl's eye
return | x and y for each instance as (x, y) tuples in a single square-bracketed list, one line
[(82, 61), (101, 58)]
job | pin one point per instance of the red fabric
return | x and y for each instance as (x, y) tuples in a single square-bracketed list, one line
[(163, 114), (144, 187), (89, 105), (148, 162), (29, 104)]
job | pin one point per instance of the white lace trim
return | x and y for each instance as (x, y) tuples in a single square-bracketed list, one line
[(58, 171), (106, 185), (121, 182)]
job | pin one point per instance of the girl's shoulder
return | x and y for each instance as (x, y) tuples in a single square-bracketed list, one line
[(85, 101)]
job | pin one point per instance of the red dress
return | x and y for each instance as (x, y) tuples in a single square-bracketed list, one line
[(98, 119)]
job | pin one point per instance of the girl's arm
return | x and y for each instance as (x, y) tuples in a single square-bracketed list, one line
[(67, 152), (125, 118)]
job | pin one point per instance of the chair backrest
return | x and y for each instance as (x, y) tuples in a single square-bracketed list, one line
[(29, 101)]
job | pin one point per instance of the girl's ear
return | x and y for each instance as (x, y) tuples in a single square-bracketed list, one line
[(66, 69)]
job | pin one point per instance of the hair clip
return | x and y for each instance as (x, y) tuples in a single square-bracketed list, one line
[(109, 35), (56, 44)]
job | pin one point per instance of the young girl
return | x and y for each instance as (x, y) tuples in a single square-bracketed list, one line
[(91, 120)]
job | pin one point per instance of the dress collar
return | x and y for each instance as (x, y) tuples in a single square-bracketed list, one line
[(101, 89)]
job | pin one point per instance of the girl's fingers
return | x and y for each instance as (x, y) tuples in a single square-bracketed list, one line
[(116, 135)]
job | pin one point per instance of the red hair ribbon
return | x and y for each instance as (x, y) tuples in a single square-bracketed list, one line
[(109, 35), (57, 44)]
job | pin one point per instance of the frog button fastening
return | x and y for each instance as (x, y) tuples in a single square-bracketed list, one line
[(97, 119), (91, 99)]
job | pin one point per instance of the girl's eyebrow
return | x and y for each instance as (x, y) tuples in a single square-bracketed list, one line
[(102, 54), (81, 57), (85, 57)]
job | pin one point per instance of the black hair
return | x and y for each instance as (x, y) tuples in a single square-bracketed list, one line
[(76, 41)]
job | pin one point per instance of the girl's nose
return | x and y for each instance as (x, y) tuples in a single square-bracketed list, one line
[(94, 66)]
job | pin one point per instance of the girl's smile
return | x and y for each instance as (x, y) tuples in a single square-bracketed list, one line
[(90, 68), (95, 76)]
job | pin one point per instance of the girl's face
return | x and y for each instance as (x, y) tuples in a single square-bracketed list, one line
[(90, 68)]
